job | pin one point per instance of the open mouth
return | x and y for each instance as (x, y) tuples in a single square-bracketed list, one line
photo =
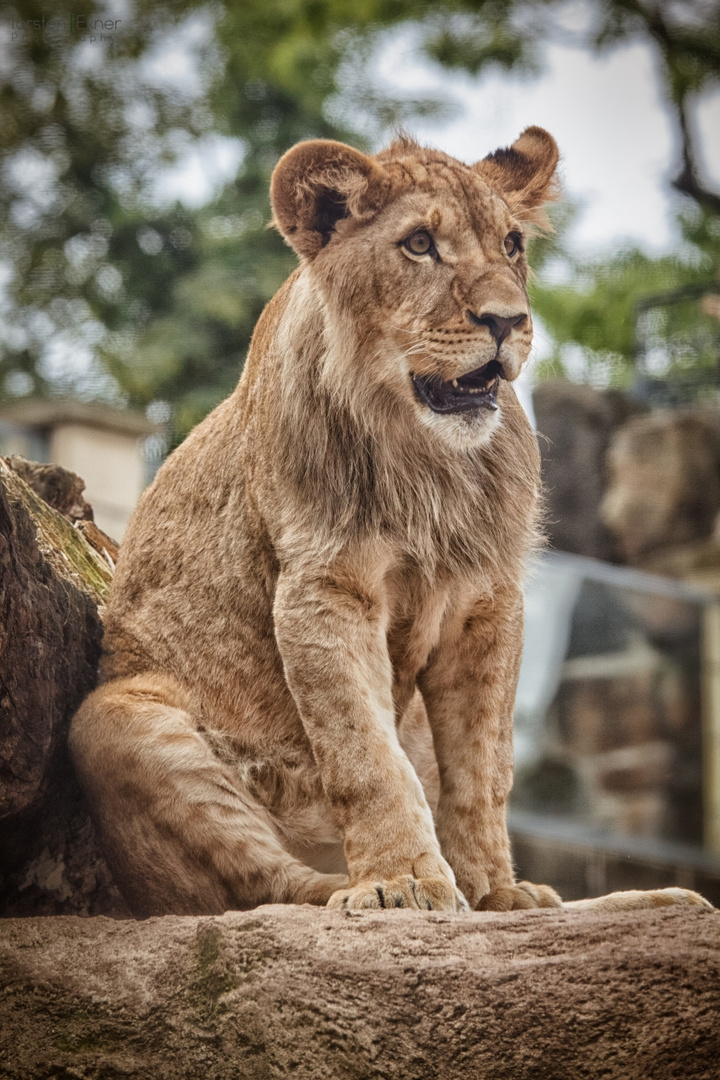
[(472, 392)]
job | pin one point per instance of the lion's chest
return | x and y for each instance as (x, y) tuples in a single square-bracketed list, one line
[(417, 615)]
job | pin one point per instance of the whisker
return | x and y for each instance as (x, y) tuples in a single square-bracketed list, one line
[(404, 329)]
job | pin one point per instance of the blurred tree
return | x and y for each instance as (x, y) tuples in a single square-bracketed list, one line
[(84, 129), (280, 66), (630, 319), (109, 288), (684, 35), (626, 317)]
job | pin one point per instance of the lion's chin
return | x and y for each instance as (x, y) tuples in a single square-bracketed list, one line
[(461, 430), (470, 393)]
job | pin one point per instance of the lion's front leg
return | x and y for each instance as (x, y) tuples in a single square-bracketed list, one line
[(469, 691), (331, 637)]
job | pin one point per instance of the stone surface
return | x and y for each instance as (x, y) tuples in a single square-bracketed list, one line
[(308, 993), (663, 484)]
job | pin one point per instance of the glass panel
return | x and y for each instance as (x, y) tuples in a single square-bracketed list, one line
[(608, 711)]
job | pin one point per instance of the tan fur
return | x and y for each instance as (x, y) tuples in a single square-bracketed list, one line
[(327, 571)]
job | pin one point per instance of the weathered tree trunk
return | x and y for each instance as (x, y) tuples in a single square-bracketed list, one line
[(323, 995), (52, 586)]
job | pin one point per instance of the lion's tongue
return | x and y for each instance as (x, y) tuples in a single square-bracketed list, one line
[(480, 379)]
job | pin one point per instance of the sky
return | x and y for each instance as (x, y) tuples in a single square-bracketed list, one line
[(616, 136)]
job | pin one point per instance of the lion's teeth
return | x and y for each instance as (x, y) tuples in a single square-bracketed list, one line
[(473, 389)]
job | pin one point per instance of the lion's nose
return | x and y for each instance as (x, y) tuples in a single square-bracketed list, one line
[(498, 325)]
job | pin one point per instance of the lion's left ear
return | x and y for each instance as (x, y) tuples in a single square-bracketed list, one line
[(316, 184), (524, 173)]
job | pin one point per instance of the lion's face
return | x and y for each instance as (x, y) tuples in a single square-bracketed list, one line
[(421, 261), (449, 311)]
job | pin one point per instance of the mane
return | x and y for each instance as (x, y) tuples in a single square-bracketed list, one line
[(402, 143), (405, 147), (360, 469)]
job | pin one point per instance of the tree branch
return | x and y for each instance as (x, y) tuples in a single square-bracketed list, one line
[(688, 182), (672, 46)]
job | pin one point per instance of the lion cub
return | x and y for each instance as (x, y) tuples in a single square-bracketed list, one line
[(329, 568)]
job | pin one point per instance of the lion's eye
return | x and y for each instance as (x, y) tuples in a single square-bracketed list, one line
[(513, 243), (420, 243)]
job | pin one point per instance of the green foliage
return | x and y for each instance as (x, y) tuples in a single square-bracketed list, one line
[(616, 317), (82, 129), (113, 292)]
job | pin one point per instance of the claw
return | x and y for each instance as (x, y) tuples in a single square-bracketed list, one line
[(429, 894)]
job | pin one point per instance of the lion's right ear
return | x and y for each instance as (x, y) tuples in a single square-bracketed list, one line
[(317, 183), (525, 173)]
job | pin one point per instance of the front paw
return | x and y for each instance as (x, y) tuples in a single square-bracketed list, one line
[(426, 893), (520, 897)]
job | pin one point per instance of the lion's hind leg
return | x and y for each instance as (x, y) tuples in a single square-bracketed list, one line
[(181, 832), (524, 895), (638, 899)]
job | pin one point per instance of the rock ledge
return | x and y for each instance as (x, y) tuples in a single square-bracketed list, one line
[(308, 993)]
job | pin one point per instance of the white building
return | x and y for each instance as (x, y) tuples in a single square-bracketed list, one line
[(103, 445)]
